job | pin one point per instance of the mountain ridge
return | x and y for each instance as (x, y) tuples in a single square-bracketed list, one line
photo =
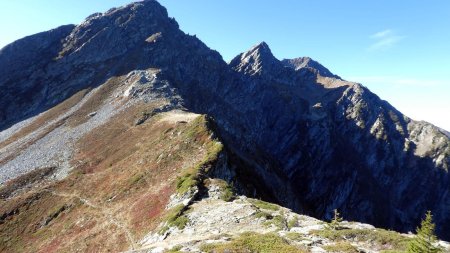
[(298, 136)]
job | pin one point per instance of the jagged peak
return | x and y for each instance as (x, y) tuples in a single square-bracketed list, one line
[(133, 10), (260, 48), (255, 60), (135, 21), (308, 63)]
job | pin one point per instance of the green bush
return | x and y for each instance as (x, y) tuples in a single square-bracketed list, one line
[(227, 194)]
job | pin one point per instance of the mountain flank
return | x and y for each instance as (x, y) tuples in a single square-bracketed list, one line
[(125, 133)]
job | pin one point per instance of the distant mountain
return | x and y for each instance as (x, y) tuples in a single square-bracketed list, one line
[(100, 119)]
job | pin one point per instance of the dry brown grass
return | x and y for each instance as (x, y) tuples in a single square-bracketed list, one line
[(123, 179)]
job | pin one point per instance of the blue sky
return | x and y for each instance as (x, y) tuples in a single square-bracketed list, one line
[(399, 49)]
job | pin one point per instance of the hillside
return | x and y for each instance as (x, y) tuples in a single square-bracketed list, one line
[(115, 126)]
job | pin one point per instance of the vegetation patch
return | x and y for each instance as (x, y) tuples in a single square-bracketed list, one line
[(175, 218), (253, 242), (136, 179), (187, 181), (226, 190), (294, 236), (262, 214), (341, 247), (174, 249), (198, 131), (264, 205), (425, 240), (292, 222), (382, 238), (278, 221), (335, 223)]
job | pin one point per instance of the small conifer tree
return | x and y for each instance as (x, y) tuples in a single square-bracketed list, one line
[(335, 222), (425, 240)]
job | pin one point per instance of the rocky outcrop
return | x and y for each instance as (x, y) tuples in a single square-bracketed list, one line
[(306, 62), (23, 66), (305, 138), (212, 221)]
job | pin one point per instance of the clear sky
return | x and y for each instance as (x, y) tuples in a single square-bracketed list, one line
[(399, 49)]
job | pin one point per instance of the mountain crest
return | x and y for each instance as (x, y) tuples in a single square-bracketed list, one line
[(308, 63), (257, 60), (134, 22)]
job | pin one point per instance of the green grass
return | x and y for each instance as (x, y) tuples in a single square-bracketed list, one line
[(198, 130), (278, 221), (174, 249), (294, 236), (253, 242), (264, 205), (387, 240), (292, 223), (262, 214), (341, 247), (175, 218), (186, 182), (227, 193), (136, 179)]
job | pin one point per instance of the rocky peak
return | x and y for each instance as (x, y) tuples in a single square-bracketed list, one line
[(310, 64), (118, 30), (257, 60)]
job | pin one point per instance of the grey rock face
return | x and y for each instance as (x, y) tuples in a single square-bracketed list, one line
[(306, 62), (308, 139), (42, 70), (23, 66)]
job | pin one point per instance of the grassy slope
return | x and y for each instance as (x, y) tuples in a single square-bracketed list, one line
[(123, 178)]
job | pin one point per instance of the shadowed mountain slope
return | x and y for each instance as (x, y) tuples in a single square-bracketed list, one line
[(83, 99)]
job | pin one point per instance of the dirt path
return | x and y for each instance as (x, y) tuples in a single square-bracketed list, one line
[(106, 212)]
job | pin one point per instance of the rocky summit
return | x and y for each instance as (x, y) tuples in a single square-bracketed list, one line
[(124, 133)]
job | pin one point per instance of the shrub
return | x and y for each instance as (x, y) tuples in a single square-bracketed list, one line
[(335, 223), (227, 193)]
